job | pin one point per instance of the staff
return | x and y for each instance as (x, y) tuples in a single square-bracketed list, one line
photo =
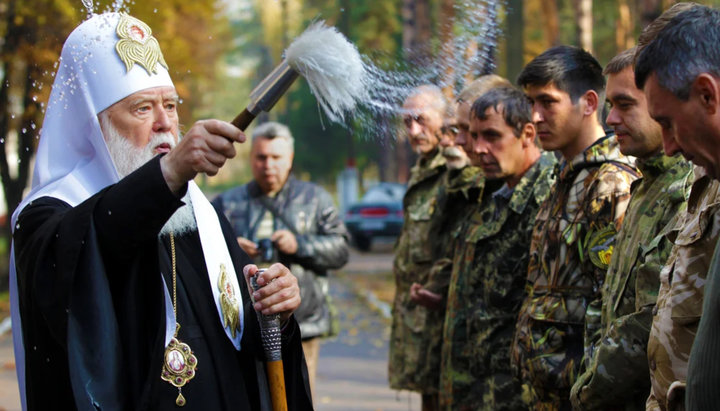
[(272, 346)]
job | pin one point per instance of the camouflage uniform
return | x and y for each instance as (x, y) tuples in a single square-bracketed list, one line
[(459, 195), (486, 290), (631, 288), (680, 299), (413, 260), (571, 246)]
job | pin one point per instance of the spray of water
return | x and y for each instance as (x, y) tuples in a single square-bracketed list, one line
[(89, 6), (348, 84)]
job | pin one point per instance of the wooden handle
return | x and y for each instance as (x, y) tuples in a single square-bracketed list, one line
[(243, 120), (276, 380)]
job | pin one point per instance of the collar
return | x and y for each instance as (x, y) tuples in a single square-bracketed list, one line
[(657, 164), (526, 187)]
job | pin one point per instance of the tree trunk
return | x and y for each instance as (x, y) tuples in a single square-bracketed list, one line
[(552, 23), (514, 50), (583, 18), (624, 38), (416, 30), (489, 47), (447, 53), (650, 10), (416, 44)]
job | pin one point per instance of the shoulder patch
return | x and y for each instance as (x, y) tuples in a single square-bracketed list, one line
[(601, 245)]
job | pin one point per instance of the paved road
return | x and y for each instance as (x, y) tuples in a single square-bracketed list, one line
[(352, 370), (9, 395)]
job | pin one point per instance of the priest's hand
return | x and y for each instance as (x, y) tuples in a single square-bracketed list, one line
[(280, 293), (203, 149)]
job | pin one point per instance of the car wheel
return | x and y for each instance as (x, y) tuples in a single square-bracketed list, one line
[(363, 243)]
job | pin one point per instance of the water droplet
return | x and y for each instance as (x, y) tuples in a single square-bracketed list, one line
[(109, 212), (12, 115), (24, 130), (154, 10)]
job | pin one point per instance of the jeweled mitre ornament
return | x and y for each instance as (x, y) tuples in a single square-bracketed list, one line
[(228, 301), (137, 45)]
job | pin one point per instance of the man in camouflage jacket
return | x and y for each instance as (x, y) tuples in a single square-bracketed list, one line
[(677, 66), (641, 249), (425, 109), (680, 299), (575, 228), (488, 272), (462, 192)]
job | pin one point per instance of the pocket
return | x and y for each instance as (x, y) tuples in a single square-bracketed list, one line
[(419, 216), (687, 280), (556, 353)]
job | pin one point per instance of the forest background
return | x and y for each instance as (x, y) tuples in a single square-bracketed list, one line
[(218, 50)]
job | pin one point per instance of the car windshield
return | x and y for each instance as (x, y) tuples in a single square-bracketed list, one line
[(384, 193)]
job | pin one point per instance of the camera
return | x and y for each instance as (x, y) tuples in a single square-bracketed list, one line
[(266, 249)]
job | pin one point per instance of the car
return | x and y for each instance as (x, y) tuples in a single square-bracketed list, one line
[(379, 213)]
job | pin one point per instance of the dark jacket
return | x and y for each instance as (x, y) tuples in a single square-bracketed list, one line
[(308, 211), (93, 310)]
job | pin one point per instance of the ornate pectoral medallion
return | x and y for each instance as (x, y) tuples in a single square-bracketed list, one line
[(179, 365), (228, 302)]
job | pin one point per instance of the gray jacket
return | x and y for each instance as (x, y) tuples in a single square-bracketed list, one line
[(308, 211)]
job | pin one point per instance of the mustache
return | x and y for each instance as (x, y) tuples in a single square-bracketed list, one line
[(160, 138)]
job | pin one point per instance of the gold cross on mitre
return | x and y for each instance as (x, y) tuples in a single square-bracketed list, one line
[(137, 45)]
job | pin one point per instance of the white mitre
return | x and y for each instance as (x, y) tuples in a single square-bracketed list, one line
[(72, 161)]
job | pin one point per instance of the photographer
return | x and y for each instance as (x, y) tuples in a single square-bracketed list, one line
[(277, 218)]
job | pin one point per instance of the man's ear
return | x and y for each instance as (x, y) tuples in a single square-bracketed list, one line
[(705, 88), (528, 135), (591, 101)]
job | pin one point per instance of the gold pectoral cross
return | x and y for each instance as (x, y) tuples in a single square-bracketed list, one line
[(228, 302)]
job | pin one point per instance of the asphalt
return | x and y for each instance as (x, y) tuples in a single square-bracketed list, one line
[(352, 369)]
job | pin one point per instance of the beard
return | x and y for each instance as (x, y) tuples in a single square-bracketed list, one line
[(128, 158), (455, 158)]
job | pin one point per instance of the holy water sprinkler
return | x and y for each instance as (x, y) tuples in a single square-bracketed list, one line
[(328, 61)]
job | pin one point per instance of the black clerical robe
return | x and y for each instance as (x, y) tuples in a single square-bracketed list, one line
[(93, 309)]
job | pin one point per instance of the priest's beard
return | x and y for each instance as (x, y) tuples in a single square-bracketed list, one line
[(128, 158)]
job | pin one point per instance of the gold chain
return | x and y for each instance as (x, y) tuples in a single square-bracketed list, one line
[(174, 272), (177, 375)]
